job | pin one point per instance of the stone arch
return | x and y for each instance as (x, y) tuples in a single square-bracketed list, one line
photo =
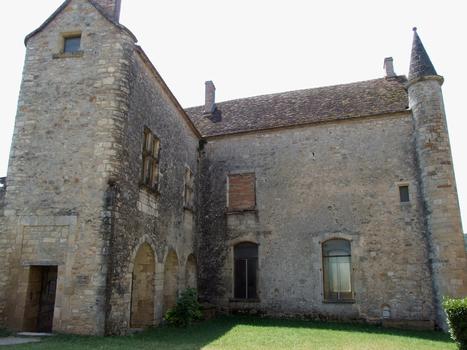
[(191, 272), (170, 280), (143, 287)]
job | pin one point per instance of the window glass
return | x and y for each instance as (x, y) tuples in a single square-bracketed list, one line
[(245, 271), (404, 193), (150, 169), (337, 270), (72, 44)]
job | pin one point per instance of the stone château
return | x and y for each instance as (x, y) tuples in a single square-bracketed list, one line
[(337, 202)]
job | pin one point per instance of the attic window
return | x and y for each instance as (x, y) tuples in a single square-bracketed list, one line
[(72, 44)]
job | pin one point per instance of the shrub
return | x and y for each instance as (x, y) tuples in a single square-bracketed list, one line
[(456, 310), (186, 310), (4, 333)]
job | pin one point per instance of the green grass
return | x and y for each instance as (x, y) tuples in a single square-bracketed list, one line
[(245, 333)]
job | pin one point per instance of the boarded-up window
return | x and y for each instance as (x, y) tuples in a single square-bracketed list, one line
[(151, 146), (241, 192)]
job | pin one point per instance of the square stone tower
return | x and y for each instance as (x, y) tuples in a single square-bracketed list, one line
[(54, 230)]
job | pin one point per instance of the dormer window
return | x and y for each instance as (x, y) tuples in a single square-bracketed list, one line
[(72, 44)]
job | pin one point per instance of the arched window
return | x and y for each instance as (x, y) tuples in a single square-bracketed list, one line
[(245, 270), (337, 270)]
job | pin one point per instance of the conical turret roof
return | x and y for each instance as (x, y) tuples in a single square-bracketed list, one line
[(420, 63)]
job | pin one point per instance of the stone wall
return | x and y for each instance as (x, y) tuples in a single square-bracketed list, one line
[(330, 180), (142, 215), (2, 193), (442, 214), (62, 157)]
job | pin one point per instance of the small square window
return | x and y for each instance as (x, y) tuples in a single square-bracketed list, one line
[(72, 44), (404, 193)]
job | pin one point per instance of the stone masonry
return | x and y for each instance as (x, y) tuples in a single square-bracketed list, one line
[(75, 168), (117, 199), (315, 183)]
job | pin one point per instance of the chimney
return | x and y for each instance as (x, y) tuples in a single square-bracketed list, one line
[(389, 67), (111, 8), (210, 98)]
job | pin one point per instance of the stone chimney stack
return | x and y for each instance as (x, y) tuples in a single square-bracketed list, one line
[(389, 67), (210, 98), (111, 8)]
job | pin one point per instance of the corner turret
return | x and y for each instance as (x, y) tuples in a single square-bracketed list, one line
[(443, 227)]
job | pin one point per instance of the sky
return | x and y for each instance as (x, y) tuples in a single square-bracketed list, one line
[(254, 47)]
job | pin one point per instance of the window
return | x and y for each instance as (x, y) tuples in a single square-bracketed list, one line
[(245, 270), (72, 44), (188, 191), (337, 270), (241, 192), (151, 148), (404, 193)]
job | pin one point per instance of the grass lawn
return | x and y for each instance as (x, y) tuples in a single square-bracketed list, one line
[(253, 333)]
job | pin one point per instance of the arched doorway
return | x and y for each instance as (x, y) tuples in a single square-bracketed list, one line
[(170, 281), (191, 272), (143, 291)]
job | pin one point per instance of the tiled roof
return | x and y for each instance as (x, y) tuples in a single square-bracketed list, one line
[(366, 98), (420, 63)]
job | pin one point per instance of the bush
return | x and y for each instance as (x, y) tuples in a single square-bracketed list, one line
[(456, 310), (4, 333), (186, 311)]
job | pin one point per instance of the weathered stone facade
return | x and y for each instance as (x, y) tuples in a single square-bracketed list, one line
[(334, 180), (2, 194), (75, 170), (113, 223)]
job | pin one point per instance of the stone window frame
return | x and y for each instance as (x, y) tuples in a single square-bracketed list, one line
[(230, 210), (150, 176), (409, 185), (61, 44), (188, 189), (232, 244), (327, 300)]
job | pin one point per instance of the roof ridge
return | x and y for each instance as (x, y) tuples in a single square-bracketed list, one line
[(381, 96), (395, 78), (62, 7)]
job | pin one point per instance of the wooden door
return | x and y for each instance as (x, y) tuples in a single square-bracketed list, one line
[(47, 299)]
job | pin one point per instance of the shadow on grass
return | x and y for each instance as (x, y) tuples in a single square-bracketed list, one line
[(339, 326), (202, 334), (195, 337)]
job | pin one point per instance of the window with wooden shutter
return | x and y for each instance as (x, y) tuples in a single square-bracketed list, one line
[(241, 192), (151, 146)]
